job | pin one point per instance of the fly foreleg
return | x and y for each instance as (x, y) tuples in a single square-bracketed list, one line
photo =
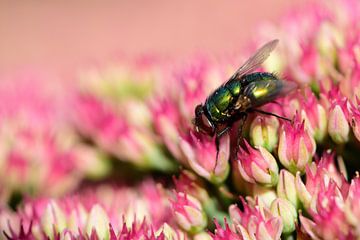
[(217, 138)]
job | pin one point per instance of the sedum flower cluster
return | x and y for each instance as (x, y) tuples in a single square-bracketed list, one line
[(115, 155)]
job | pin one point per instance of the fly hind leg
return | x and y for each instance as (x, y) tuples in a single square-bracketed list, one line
[(239, 136)]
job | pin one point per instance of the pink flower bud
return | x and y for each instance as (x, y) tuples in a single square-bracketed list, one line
[(189, 213), (314, 116), (200, 151), (257, 165), (286, 188), (284, 209), (296, 146), (338, 123), (263, 132)]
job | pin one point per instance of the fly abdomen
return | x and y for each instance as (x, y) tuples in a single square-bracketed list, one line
[(262, 87)]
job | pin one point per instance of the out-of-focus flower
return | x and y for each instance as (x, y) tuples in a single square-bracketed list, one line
[(257, 165), (189, 213), (92, 210), (40, 154), (286, 210), (264, 132), (201, 155), (190, 183), (108, 128), (286, 188), (296, 146)]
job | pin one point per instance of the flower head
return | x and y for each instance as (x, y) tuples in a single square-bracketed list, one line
[(255, 221), (93, 210), (296, 146)]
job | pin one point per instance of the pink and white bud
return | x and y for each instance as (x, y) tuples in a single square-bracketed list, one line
[(98, 221), (265, 195), (286, 210), (189, 213), (264, 132), (257, 165), (296, 146), (53, 220), (314, 116), (286, 188), (200, 152), (338, 123)]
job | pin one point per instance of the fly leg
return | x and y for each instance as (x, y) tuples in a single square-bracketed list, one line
[(271, 114), (239, 136), (217, 139)]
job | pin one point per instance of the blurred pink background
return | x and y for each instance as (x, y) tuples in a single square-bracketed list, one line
[(60, 35)]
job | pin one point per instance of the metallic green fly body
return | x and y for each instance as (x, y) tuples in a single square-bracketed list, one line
[(242, 93)]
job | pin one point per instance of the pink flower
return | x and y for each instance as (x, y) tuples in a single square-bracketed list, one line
[(225, 234), (314, 115), (296, 146), (201, 155), (189, 213), (257, 165), (329, 220)]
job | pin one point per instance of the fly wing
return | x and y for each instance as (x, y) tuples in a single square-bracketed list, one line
[(256, 60)]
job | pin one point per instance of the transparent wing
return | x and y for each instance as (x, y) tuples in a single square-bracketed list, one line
[(257, 59)]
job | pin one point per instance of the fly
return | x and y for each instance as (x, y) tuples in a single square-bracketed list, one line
[(242, 93)]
